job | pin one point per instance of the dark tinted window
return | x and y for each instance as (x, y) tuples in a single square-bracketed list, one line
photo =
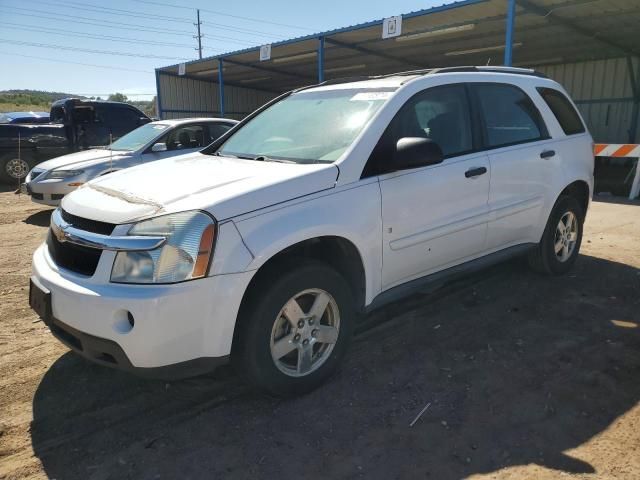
[(185, 137), (217, 129), (440, 113), (510, 116), (561, 107)]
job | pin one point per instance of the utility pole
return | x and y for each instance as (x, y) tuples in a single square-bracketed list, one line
[(199, 36)]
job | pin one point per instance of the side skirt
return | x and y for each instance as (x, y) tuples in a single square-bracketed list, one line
[(431, 283)]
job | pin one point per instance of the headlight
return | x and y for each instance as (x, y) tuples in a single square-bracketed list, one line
[(184, 256), (63, 173)]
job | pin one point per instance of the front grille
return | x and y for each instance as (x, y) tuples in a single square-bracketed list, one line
[(56, 196), (37, 196), (86, 224), (76, 258)]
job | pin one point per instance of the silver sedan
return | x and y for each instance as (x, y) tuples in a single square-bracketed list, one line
[(49, 181)]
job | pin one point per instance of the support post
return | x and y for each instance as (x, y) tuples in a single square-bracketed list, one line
[(635, 110), (221, 86), (320, 59), (511, 19), (199, 36), (158, 96)]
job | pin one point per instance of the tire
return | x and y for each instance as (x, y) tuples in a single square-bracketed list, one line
[(546, 258), (270, 326), (12, 169)]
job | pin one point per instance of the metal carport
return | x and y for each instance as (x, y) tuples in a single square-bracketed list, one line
[(590, 46)]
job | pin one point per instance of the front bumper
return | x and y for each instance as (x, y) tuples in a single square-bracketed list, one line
[(49, 192), (178, 330)]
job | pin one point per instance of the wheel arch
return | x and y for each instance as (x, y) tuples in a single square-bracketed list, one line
[(336, 251), (579, 189)]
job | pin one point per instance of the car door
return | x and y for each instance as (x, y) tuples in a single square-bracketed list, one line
[(434, 216), (521, 157)]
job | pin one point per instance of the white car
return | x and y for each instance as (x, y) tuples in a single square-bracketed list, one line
[(324, 204), (49, 181)]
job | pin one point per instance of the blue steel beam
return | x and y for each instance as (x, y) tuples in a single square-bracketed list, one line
[(320, 59), (221, 86), (511, 20)]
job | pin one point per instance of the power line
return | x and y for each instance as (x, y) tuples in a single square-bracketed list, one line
[(66, 18), (75, 63), (259, 20), (104, 10), (88, 50), (130, 13), (72, 33), (137, 27)]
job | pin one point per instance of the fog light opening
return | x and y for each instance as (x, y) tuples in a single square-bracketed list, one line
[(123, 321)]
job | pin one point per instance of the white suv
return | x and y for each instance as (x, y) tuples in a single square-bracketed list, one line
[(325, 203)]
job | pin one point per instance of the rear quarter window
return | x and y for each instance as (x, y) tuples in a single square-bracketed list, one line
[(563, 110), (510, 116)]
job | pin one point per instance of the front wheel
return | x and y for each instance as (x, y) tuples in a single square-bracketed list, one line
[(13, 169), (558, 249), (295, 332)]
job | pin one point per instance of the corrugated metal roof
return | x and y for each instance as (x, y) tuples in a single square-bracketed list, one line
[(469, 32)]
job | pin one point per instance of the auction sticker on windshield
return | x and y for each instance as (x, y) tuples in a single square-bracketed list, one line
[(368, 96)]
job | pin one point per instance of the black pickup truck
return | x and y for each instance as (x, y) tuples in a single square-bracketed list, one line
[(74, 125)]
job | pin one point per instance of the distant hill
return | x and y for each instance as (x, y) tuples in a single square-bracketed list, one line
[(36, 100)]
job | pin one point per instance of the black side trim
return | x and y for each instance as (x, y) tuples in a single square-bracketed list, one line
[(433, 282), (109, 354)]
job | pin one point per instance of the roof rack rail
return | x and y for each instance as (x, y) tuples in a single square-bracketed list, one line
[(427, 71), (513, 70)]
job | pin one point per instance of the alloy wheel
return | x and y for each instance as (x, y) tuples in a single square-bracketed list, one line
[(305, 332), (17, 168), (566, 236)]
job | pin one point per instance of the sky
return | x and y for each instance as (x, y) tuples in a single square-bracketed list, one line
[(43, 43)]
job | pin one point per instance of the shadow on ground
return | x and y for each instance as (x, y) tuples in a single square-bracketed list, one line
[(40, 219), (615, 199), (518, 368)]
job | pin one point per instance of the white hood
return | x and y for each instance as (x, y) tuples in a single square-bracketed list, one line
[(224, 186), (83, 159)]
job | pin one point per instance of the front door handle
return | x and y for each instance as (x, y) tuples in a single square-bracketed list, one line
[(475, 172), (548, 154)]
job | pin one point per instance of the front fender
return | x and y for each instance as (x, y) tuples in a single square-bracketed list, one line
[(351, 212)]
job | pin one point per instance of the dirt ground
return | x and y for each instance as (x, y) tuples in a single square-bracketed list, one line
[(526, 376)]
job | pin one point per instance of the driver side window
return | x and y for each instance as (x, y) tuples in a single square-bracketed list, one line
[(441, 114), (184, 138)]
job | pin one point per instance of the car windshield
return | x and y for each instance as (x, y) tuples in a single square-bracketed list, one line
[(307, 127), (139, 137)]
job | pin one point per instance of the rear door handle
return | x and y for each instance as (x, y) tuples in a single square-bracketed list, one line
[(548, 154), (475, 172)]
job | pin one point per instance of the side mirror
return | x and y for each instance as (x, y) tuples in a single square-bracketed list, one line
[(414, 152), (159, 147), (143, 120)]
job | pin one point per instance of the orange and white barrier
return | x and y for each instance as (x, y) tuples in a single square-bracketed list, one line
[(622, 150)]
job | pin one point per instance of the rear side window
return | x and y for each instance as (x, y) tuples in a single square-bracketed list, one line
[(510, 116), (561, 107)]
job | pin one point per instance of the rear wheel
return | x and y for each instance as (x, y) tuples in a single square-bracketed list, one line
[(13, 169), (558, 249), (296, 332)]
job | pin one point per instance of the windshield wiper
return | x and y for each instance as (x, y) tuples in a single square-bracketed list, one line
[(218, 154), (263, 158)]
